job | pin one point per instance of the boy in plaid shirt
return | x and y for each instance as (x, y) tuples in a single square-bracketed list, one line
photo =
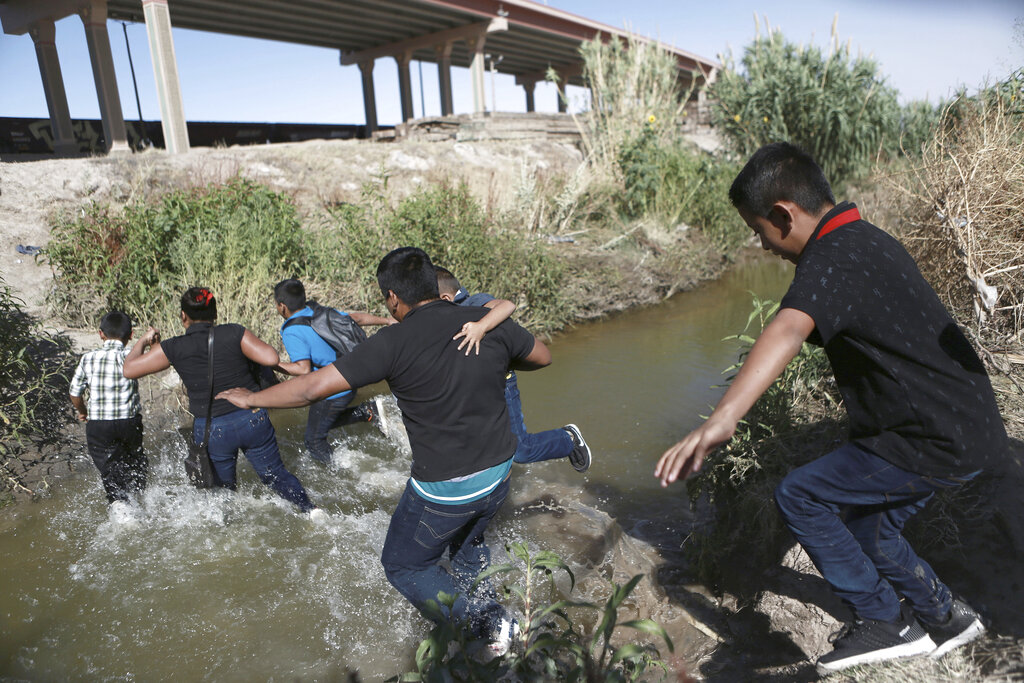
[(113, 429)]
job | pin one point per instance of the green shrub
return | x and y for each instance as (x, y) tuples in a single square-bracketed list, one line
[(241, 238), (678, 183), (449, 224), (238, 239), (835, 106), (788, 426), (35, 367), (551, 644)]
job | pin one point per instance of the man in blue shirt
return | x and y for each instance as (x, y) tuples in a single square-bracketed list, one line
[(308, 352)]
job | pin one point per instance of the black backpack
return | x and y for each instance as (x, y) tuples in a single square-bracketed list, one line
[(340, 331)]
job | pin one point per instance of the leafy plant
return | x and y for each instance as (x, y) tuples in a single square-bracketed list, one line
[(783, 430), (835, 106), (552, 646), (34, 371)]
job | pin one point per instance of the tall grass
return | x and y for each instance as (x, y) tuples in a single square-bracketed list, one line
[(832, 104), (791, 424), (241, 238), (632, 136), (959, 207), (35, 368)]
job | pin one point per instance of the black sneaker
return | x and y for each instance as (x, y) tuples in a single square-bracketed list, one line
[(580, 457), (961, 627), (867, 641)]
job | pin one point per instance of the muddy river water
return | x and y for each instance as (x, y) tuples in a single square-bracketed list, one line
[(190, 585)]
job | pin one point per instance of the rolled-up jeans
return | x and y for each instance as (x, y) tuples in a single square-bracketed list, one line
[(251, 432), (538, 447), (847, 509), (418, 537)]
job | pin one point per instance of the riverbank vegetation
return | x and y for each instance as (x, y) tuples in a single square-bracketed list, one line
[(35, 366)]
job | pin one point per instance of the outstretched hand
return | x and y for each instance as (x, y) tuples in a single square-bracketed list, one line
[(473, 332), (686, 457), (238, 396)]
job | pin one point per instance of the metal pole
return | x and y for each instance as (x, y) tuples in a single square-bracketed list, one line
[(138, 102), (423, 101)]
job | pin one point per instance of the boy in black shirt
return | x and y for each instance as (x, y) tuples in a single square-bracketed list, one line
[(922, 412), (453, 407)]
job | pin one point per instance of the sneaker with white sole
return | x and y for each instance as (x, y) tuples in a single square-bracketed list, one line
[(380, 418), (961, 627), (502, 641), (580, 457), (867, 641)]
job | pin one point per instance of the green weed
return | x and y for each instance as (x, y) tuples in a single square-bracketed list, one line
[(35, 367), (785, 429), (552, 646), (835, 106)]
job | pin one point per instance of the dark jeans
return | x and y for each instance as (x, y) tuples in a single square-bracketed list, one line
[(421, 532), (553, 443), (251, 432), (847, 509), (326, 415), (115, 447)]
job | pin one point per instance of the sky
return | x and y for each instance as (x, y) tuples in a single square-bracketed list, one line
[(926, 49)]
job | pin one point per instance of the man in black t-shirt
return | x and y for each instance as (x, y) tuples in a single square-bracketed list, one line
[(923, 416), (454, 410)]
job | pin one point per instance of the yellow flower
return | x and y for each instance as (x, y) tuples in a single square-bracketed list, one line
[(652, 118), (736, 118), (765, 119)]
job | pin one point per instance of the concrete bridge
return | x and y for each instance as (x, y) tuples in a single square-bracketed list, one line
[(530, 38)]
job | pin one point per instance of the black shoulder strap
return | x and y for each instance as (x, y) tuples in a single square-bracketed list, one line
[(301, 320), (209, 403)]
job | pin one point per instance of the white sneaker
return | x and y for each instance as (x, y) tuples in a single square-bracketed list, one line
[(318, 516), (121, 513), (381, 420), (503, 639)]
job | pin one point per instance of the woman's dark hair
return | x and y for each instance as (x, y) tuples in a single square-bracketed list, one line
[(116, 325), (408, 273), (291, 293), (780, 171), (199, 303)]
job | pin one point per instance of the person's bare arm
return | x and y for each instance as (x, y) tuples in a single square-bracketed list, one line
[(539, 357), (778, 344), (79, 403), (294, 393), (259, 351), (139, 362), (295, 369), (474, 332), (364, 319)]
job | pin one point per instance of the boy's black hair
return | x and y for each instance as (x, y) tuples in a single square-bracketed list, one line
[(116, 325), (408, 272), (781, 171), (199, 303), (447, 283), (291, 293)]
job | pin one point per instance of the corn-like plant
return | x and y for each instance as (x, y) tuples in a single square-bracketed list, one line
[(35, 367), (634, 84), (832, 104), (551, 646)]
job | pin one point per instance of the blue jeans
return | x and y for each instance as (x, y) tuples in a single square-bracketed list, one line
[(554, 443), (421, 532), (847, 509), (326, 415), (252, 432)]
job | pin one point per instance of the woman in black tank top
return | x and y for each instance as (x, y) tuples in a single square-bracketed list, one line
[(236, 351)]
